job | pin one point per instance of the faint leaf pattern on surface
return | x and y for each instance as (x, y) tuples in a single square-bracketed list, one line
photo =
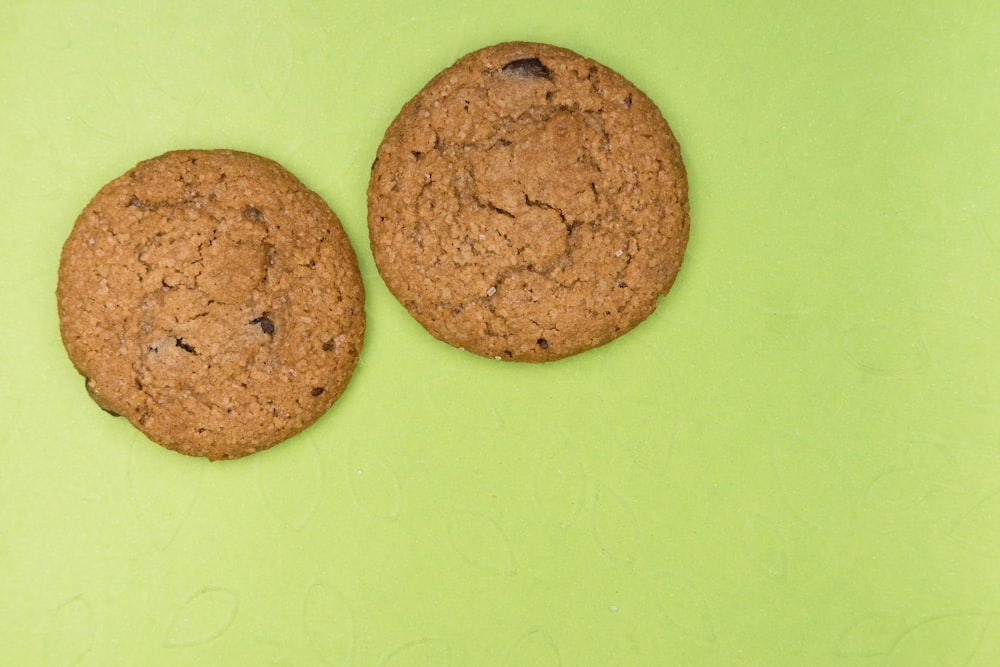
[(329, 624), (650, 453), (779, 298), (70, 635), (615, 526), (97, 106), (291, 485), (765, 545), (534, 648), (988, 651), (311, 155), (979, 528), (190, 51), (688, 608), (163, 490), (815, 488), (884, 347), (12, 418), (559, 487), (419, 653), (273, 56), (896, 489), (963, 349), (943, 640), (76, 470), (478, 540), (375, 486), (872, 634), (202, 617)]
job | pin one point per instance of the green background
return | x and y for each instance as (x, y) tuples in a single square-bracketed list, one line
[(794, 461)]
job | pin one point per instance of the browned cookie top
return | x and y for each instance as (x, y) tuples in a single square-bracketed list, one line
[(528, 204), (213, 300)]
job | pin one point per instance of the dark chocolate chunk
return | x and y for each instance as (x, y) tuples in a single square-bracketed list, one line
[(542, 343), (317, 391), (253, 214), (266, 325), (527, 68)]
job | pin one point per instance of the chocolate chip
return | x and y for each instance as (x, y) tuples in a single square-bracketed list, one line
[(266, 325), (184, 346), (328, 345), (527, 68), (253, 214), (542, 343), (317, 391)]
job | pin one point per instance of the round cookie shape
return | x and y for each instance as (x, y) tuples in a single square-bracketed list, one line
[(213, 300), (528, 204)]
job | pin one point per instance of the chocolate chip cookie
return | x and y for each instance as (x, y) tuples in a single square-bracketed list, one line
[(213, 300), (528, 204)]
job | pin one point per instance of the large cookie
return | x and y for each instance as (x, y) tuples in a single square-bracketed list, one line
[(528, 204), (213, 300)]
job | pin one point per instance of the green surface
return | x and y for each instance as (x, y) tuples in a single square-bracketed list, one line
[(794, 461)]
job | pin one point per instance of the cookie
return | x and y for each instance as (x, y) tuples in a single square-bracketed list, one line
[(528, 204), (213, 300)]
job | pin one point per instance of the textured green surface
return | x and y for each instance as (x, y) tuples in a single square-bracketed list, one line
[(795, 461)]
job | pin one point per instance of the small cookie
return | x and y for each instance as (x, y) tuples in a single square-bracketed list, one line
[(528, 204), (213, 300)]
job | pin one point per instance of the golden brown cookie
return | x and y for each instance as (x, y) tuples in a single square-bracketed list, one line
[(528, 204), (213, 300)]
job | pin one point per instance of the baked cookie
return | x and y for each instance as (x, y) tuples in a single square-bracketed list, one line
[(213, 300), (528, 204)]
